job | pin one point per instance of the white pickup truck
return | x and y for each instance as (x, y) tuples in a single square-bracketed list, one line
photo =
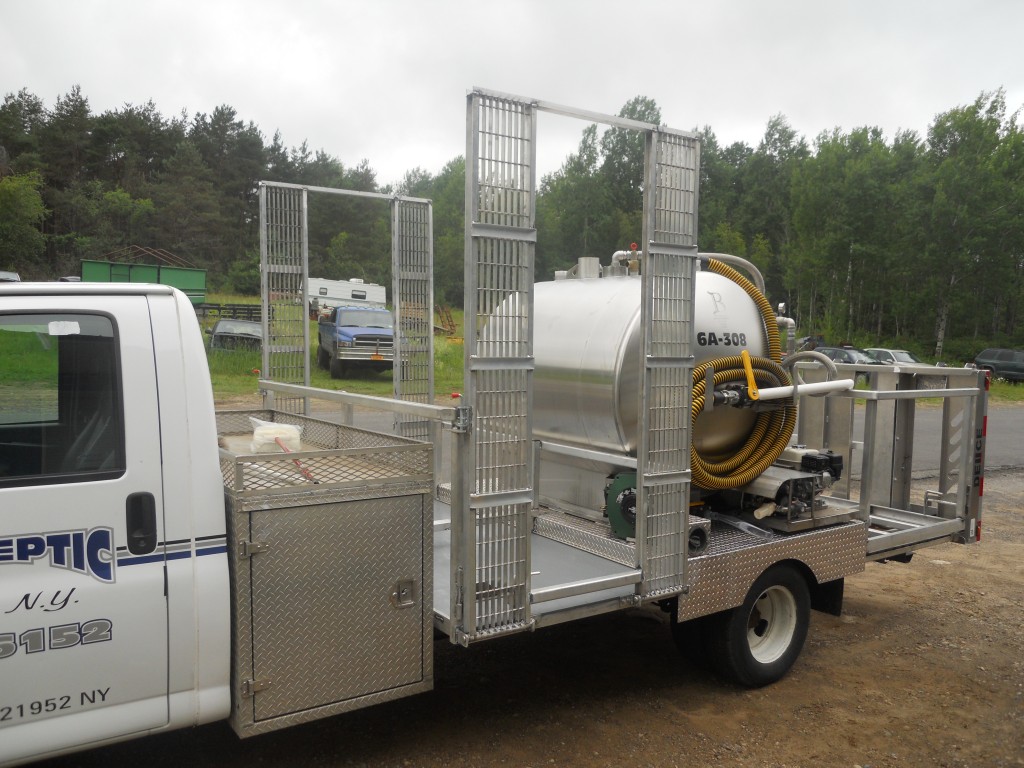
[(157, 570), (114, 602)]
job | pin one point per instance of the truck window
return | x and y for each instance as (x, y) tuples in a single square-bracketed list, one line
[(60, 403), (365, 318)]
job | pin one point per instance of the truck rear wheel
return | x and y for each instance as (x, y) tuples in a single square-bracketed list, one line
[(323, 358), (758, 642)]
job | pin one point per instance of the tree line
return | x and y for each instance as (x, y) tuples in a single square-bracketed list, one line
[(910, 241)]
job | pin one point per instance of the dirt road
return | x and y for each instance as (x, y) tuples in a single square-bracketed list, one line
[(925, 668)]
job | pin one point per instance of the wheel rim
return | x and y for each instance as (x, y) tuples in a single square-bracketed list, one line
[(771, 624)]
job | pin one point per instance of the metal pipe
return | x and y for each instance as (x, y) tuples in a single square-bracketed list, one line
[(790, 325), (423, 410), (815, 388), (737, 261)]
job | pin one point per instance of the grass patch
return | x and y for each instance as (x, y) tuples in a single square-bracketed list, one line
[(1002, 391), (28, 358)]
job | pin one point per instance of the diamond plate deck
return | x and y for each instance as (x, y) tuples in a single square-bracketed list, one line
[(719, 579)]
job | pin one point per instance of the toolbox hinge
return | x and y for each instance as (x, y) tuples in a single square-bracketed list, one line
[(252, 687), (250, 548)]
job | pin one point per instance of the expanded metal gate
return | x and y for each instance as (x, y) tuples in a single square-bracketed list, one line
[(284, 269), (491, 533)]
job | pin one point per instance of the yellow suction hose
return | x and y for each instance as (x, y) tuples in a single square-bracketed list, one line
[(772, 429)]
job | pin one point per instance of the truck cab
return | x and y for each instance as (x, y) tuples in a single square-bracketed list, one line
[(112, 518), (356, 337)]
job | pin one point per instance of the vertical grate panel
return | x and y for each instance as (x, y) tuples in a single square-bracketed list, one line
[(670, 202), (283, 267), (413, 296), (499, 359)]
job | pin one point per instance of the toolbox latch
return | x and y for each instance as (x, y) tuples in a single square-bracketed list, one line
[(252, 687), (403, 594), (250, 548)]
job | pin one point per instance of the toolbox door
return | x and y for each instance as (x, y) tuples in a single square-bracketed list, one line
[(337, 602)]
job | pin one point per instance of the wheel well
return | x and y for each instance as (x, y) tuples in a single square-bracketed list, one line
[(826, 597)]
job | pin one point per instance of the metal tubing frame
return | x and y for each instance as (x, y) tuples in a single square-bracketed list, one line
[(412, 291), (887, 449), (442, 413)]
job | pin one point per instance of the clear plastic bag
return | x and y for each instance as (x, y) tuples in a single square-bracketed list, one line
[(265, 436)]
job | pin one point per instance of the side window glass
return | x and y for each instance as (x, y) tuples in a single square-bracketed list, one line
[(60, 403)]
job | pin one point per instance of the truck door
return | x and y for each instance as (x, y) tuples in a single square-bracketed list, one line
[(83, 609)]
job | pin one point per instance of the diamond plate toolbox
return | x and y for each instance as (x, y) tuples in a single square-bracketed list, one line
[(330, 559)]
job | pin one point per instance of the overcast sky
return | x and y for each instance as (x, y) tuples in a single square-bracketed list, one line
[(386, 80)]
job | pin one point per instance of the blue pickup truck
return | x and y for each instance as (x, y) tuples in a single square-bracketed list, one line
[(356, 337)]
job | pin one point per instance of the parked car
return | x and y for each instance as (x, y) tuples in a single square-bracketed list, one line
[(848, 355), (893, 356), (9, 277), (1004, 363), (236, 334)]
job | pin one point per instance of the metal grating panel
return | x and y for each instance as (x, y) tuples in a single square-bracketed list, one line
[(500, 565), (335, 460), (502, 450), (413, 296), (670, 202), (499, 288), (675, 189), (283, 269)]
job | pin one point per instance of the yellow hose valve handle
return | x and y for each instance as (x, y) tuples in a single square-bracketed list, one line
[(751, 384)]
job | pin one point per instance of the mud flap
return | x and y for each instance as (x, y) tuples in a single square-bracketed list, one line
[(828, 597)]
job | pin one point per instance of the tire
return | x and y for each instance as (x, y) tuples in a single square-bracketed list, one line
[(757, 643), (323, 358), (338, 368)]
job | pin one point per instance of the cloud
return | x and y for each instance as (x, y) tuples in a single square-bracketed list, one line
[(386, 81)]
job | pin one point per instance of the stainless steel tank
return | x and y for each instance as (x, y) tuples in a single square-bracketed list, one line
[(587, 350)]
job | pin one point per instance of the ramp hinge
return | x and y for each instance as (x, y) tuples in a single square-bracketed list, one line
[(459, 596), (250, 548), (252, 687), (463, 421)]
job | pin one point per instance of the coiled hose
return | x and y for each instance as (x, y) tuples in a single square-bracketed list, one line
[(772, 428)]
